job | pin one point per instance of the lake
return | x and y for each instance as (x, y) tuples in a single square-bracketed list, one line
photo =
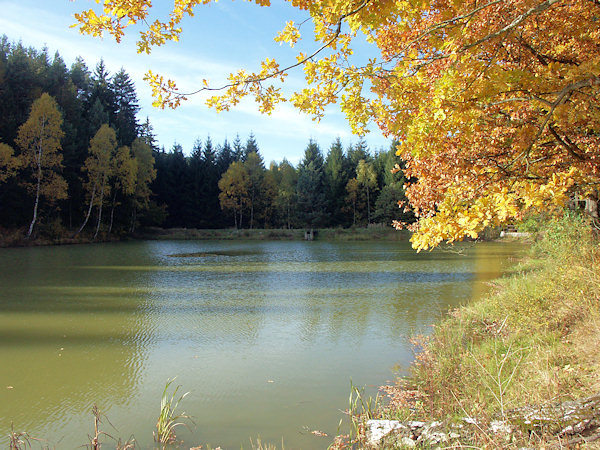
[(265, 336)]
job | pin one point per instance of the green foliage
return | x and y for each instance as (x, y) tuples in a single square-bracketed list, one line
[(310, 187), (386, 205)]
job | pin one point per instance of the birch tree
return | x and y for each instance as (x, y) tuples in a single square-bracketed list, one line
[(39, 140), (98, 169)]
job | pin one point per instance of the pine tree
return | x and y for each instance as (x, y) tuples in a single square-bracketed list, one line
[(126, 108), (286, 196), (238, 149), (311, 187), (146, 134), (251, 147), (336, 178)]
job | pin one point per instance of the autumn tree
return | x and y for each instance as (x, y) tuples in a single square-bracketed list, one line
[(99, 168), (255, 168), (123, 175), (145, 174), (495, 104), (234, 186), (39, 139), (8, 162), (286, 194)]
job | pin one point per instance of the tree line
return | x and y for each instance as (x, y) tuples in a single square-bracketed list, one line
[(229, 185), (72, 151), (75, 158)]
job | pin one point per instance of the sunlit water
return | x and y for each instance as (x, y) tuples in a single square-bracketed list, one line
[(266, 336)]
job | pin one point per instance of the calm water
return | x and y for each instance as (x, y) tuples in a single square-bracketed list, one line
[(265, 336)]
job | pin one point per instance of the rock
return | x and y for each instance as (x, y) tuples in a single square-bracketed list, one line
[(567, 418), (378, 429), (414, 424), (500, 426), (432, 433), (407, 442)]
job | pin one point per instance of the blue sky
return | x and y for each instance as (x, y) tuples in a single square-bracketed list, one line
[(221, 38)]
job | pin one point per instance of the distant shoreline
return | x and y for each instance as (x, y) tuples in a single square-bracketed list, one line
[(15, 238), (372, 233)]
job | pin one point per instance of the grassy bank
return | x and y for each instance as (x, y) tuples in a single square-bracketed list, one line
[(535, 340), (324, 234)]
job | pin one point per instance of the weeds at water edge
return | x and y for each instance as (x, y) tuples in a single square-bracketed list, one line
[(19, 440), (169, 419), (94, 441)]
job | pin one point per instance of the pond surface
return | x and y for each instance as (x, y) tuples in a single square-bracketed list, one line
[(265, 336)]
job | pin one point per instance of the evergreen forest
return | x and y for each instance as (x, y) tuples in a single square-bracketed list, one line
[(75, 158)]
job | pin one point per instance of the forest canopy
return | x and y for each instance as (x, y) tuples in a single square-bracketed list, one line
[(494, 104)]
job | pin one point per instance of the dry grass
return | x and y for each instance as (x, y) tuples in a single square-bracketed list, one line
[(532, 342)]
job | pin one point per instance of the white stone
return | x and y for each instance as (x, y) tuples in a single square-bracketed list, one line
[(408, 442), (415, 424), (498, 426), (378, 429)]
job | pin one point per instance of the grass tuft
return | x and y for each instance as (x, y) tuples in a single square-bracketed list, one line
[(168, 418)]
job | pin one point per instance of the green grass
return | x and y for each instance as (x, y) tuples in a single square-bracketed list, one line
[(169, 419)]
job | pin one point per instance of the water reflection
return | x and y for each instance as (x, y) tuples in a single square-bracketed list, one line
[(265, 335)]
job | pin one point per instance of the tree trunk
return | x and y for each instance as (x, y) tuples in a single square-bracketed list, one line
[(133, 218), (112, 212), (235, 218), (99, 212), (591, 205), (87, 217), (368, 208), (37, 201)]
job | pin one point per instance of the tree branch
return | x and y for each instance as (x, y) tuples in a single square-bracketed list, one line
[(567, 144), (515, 23), (337, 33)]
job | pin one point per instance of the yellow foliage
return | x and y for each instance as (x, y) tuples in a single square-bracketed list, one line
[(495, 105)]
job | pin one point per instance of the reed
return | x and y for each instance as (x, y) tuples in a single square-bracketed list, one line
[(169, 418)]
